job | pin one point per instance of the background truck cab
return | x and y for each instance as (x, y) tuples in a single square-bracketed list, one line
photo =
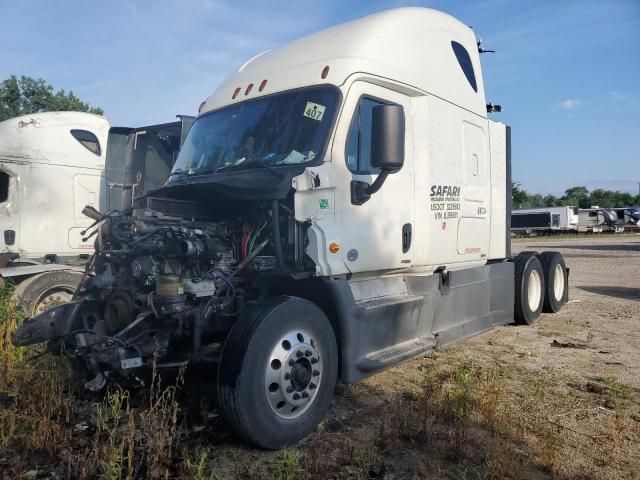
[(52, 165)]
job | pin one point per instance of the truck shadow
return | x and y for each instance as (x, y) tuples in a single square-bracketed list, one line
[(626, 293)]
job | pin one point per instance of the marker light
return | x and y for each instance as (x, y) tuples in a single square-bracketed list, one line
[(249, 87), (263, 84), (201, 106), (235, 93), (325, 71), (334, 247)]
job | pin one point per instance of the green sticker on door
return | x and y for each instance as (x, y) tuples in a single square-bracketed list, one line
[(324, 203)]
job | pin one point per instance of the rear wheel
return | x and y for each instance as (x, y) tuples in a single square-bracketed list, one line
[(46, 290), (529, 289), (277, 372), (556, 280)]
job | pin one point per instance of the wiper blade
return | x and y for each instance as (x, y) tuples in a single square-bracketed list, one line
[(178, 172)]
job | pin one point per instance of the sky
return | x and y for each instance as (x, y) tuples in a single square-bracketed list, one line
[(567, 73)]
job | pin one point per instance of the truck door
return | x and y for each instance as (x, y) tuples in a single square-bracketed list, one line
[(474, 225), (376, 235), (9, 212)]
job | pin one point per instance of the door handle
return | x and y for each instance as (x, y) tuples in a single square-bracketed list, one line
[(406, 237)]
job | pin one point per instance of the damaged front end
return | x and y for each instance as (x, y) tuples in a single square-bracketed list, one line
[(162, 289)]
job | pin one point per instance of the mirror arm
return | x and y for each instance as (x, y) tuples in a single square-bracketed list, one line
[(375, 186), (362, 191)]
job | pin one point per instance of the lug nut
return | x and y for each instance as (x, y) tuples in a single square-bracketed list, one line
[(305, 395), (307, 353), (289, 389), (316, 373), (292, 362), (312, 385), (296, 396), (299, 354), (287, 376), (314, 360)]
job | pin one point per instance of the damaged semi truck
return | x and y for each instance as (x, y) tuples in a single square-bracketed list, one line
[(341, 205)]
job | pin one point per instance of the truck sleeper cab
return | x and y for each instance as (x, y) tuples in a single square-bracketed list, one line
[(341, 204)]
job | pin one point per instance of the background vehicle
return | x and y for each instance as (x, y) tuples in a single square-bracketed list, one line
[(628, 217), (548, 219), (340, 205), (52, 165), (597, 219)]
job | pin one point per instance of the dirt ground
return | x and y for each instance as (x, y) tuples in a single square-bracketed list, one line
[(560, 399)]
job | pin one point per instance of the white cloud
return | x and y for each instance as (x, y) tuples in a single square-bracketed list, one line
[(570, 103), (617, 97)]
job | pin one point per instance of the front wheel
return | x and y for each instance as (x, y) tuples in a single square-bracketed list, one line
[(277, 372)]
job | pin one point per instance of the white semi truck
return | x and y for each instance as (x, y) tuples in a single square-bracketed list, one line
[(341, 205), (52, 165)]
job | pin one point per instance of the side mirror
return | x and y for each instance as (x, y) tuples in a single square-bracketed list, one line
[(387, 137), (387, 149)]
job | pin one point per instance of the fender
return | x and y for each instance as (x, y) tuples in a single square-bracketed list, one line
[(52, 324)]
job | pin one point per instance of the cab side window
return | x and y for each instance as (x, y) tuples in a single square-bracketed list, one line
[(87, 139), (465, 64), (358, 152)]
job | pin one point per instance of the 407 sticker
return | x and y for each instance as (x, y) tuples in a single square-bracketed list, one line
[(314, 111)]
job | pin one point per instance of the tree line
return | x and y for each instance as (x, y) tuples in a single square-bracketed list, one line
[(26, 95), (574, 197)]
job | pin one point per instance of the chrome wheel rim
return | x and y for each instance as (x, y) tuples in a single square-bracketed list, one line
[(293, 374), (558, 282), (534, 290)]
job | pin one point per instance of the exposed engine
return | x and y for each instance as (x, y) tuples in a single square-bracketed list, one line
[(161, 288)]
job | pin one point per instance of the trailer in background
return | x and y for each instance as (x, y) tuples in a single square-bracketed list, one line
[(628, 217), (597, 220), (52, 165), (140, 159), (548, 219)]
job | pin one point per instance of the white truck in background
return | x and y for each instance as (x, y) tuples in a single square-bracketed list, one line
[(341, 205), (52, 165), (544, 219)]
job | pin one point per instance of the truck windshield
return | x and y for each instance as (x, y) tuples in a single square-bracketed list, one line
[(287, 128)]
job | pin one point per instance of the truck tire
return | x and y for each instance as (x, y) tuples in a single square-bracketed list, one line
[(277, 372), (45, 290), (556, 279), (529, 289)]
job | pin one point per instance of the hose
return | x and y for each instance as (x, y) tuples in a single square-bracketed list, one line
[(253, 254), (256, 236)]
